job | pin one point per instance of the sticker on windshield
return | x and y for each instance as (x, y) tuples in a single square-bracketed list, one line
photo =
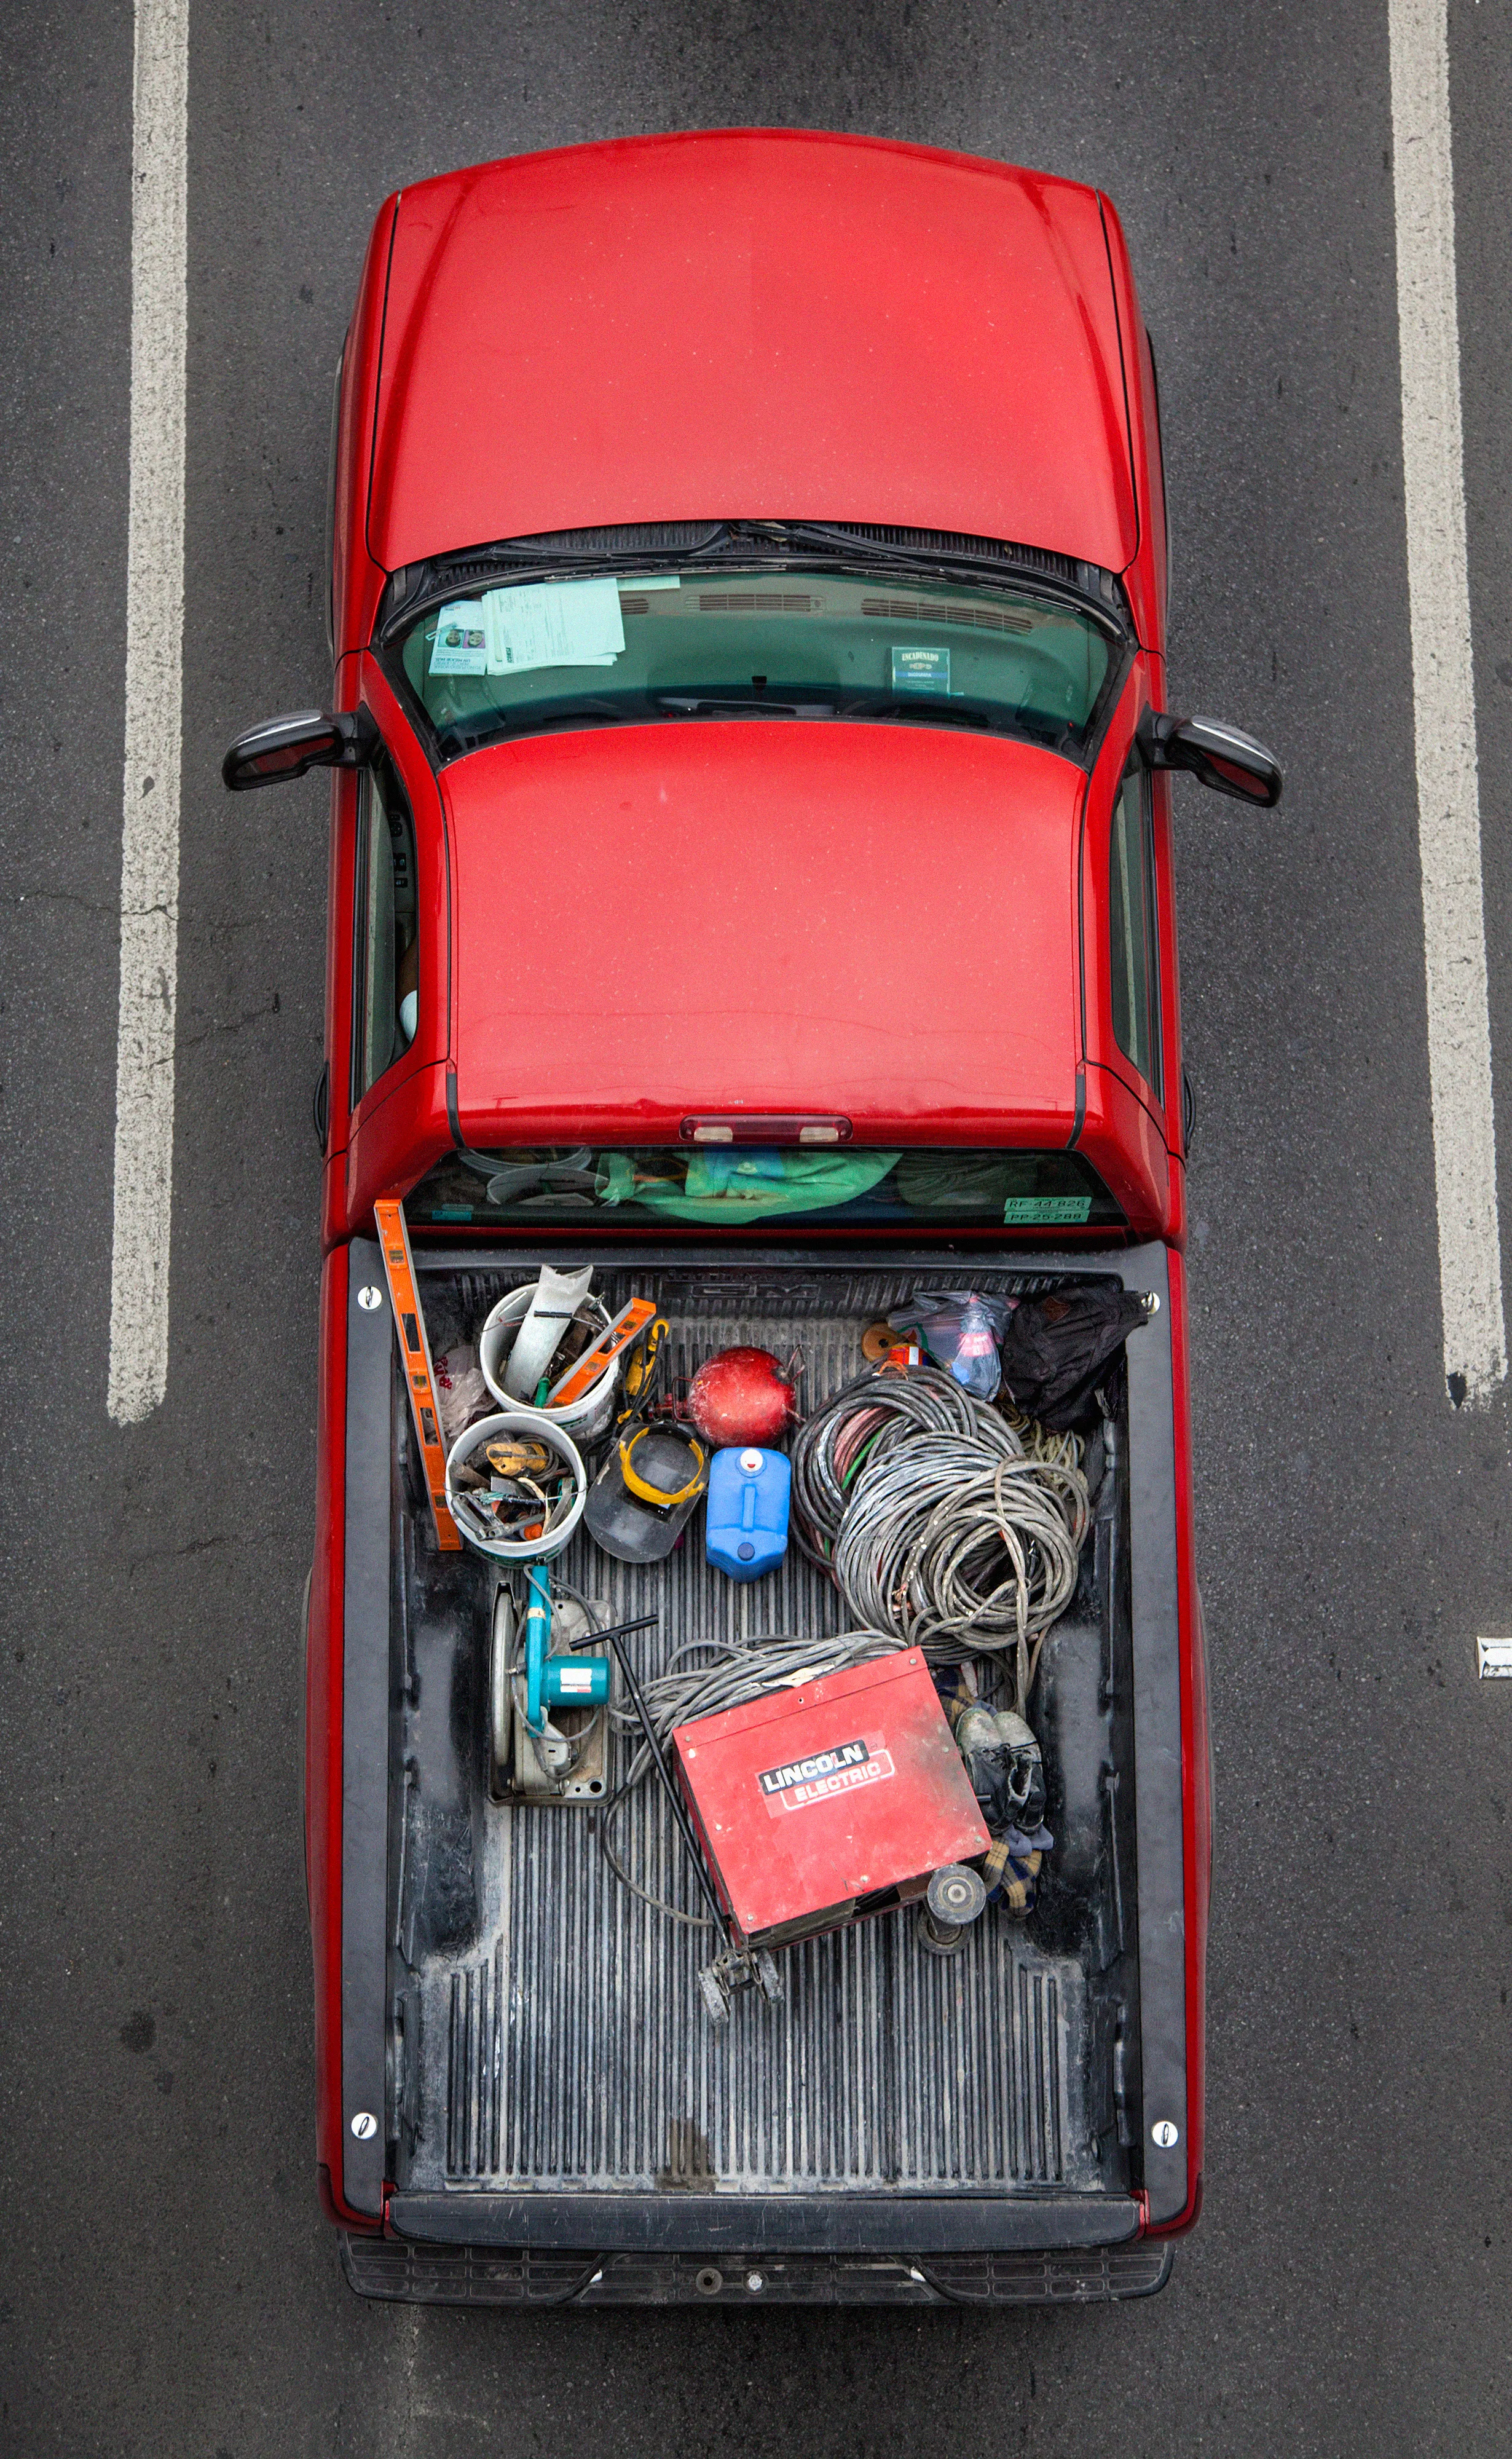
[(461, 641), (921, 670), (553, 623), (1048, 1208)]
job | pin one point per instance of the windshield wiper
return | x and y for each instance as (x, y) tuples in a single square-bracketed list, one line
[(501, 724), (960, 563), (933, 706), (771, 545), (926, 709), (749, 704)]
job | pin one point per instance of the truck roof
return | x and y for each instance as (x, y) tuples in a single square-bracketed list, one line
[(766, 915), (759, 325)]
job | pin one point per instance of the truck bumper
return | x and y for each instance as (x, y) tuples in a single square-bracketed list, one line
[(396, 2271)]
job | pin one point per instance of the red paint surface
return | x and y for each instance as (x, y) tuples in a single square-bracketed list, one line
[(356, 580), (1145, 575), (752, 324), (903, 1810), (865, 919)]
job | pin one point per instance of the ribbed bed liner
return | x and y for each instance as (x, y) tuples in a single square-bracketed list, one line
[(566, 2047)]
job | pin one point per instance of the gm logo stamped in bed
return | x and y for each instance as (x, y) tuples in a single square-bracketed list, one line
[(845, 1768)]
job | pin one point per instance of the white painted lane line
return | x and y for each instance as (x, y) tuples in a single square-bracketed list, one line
[(149, 900), (1443, 705)]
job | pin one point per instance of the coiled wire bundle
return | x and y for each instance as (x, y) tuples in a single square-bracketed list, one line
[(940, 1520)]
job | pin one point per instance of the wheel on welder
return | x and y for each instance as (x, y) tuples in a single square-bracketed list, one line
[(953, 1900), (769, 1979), (957, 1894)]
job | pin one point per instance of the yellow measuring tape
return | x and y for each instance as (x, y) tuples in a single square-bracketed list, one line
[(394, 1240)]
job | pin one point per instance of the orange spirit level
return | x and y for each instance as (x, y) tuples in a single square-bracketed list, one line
[(393, 1238), (593, 1363)]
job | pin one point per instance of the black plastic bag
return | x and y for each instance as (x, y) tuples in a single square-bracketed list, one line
[(1058, 1349)]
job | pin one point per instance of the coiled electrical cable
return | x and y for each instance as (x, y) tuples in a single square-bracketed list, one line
[(866, 1419), (938, 1518)]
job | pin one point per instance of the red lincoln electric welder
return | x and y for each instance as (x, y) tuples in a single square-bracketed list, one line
[(819, 1805)]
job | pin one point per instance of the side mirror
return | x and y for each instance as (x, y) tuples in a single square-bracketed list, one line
[(1223, 758), (286, 747)]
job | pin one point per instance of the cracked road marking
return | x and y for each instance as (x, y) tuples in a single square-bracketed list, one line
[(1443, 705), (149, 893)]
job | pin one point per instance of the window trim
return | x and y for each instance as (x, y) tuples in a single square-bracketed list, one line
[(395, 786), (1153, 1077), (359, 941)]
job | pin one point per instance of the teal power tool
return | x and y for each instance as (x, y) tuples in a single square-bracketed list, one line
[(555, 1681)]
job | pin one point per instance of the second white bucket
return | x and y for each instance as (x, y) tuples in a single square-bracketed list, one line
[(584, 1418), (534, 1425)]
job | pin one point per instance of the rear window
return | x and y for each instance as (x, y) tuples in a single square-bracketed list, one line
[(730, 1185)]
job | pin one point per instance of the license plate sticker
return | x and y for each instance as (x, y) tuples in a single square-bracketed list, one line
[(1046, 1208), (921, 670)]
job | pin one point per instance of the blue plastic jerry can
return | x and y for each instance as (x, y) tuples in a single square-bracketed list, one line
[(745, 1531)]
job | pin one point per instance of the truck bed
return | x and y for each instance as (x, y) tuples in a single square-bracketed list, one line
[(550, 2076)]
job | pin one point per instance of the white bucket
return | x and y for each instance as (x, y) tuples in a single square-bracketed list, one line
[(585, 1417), (538, 1428)]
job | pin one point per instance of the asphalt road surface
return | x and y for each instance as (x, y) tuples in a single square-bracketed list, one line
[(169, 2283)]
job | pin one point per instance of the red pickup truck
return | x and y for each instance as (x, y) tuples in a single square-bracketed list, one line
[(751, 878)]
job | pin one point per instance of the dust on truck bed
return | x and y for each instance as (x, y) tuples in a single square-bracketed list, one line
[(558, 2099)]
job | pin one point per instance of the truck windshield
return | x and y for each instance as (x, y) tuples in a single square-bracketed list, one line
[(732, 1185), (702, 644)]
